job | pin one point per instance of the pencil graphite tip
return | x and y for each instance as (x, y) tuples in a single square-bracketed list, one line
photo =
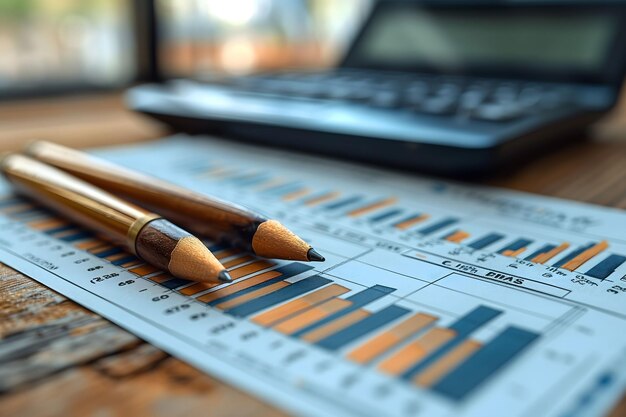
[(224, 276), (314, 256)]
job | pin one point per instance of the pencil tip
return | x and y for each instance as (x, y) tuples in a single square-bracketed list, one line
[(224, 276), (314, 256)]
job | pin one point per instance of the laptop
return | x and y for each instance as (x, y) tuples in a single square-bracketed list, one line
[(446, 87)]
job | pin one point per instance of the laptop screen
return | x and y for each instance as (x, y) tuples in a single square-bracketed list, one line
[(487, 40)]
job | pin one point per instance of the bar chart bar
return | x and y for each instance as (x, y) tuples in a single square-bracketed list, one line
[(586, 255), (515, 248), (343, 203), (541, 251), (386, 215), (437, 370), (545, 257), (606, 267), (463, 327), (485, 241), (385, 341), (248, 269), (572, 255), (368, 208), (318, 312), (242, 288), (364, 326), (457, 236), (294, 290), (357, 300), (256, 292), (341, 323), (410, 221), (438, 226), (403, 359), (322, 198), (270, 318), (484, 363)]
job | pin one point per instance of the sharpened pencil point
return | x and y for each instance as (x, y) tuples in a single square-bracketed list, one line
[(224, 276), (314, 256)]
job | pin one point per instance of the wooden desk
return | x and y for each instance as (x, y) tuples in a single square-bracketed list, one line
[(57, 358)]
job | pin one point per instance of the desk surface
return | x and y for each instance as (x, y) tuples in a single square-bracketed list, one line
[(73, 362)]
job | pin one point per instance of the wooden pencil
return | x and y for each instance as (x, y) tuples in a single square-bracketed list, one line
[(204, 215), (147, 235)]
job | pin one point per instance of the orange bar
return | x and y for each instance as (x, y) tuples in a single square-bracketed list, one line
[(318, 200), (267, 185), (47, 224), (449, 361), (231, 289), (161, 278), (102, 248), (64, 233), (116, 256), (296, 194), (586, 255), (541, 258), (385, 341), (131, 263), (237, 261), (416, 351), (144, 270), (411, 222), (225, 253), (257, 266), (371, 207), (335, 326), (252, 295), (17, 208), (300, 321), (458, 236), (89, 244), (271, 317), (513, 253)]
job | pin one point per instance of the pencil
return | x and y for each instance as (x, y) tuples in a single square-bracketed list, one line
[(201, 214), (147, 235)]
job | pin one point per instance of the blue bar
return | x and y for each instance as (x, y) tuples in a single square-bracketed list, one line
[(27, 212), (571, 256), (546, 248), (10, 202), (60, 229), (606, 267), (278, 296), (252, 181), (451, 233), (283, 189), (217, 246), (484, 363), (342, 203), (76, 236), (438, 226), (358, 300), (518, 244), (109, 252), (463, 327), (286, 271), (124, 260), (175, 283), (385, 215), (485, 241), (362, 327)]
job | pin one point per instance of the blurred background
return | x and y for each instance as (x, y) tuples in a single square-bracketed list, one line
[(52, 46)]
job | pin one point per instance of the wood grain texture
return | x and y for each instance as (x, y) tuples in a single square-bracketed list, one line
[(57, 358)]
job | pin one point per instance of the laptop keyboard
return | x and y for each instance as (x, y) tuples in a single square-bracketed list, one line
[(480, 99)]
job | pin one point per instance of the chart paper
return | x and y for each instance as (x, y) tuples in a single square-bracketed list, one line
[(435, 299)]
